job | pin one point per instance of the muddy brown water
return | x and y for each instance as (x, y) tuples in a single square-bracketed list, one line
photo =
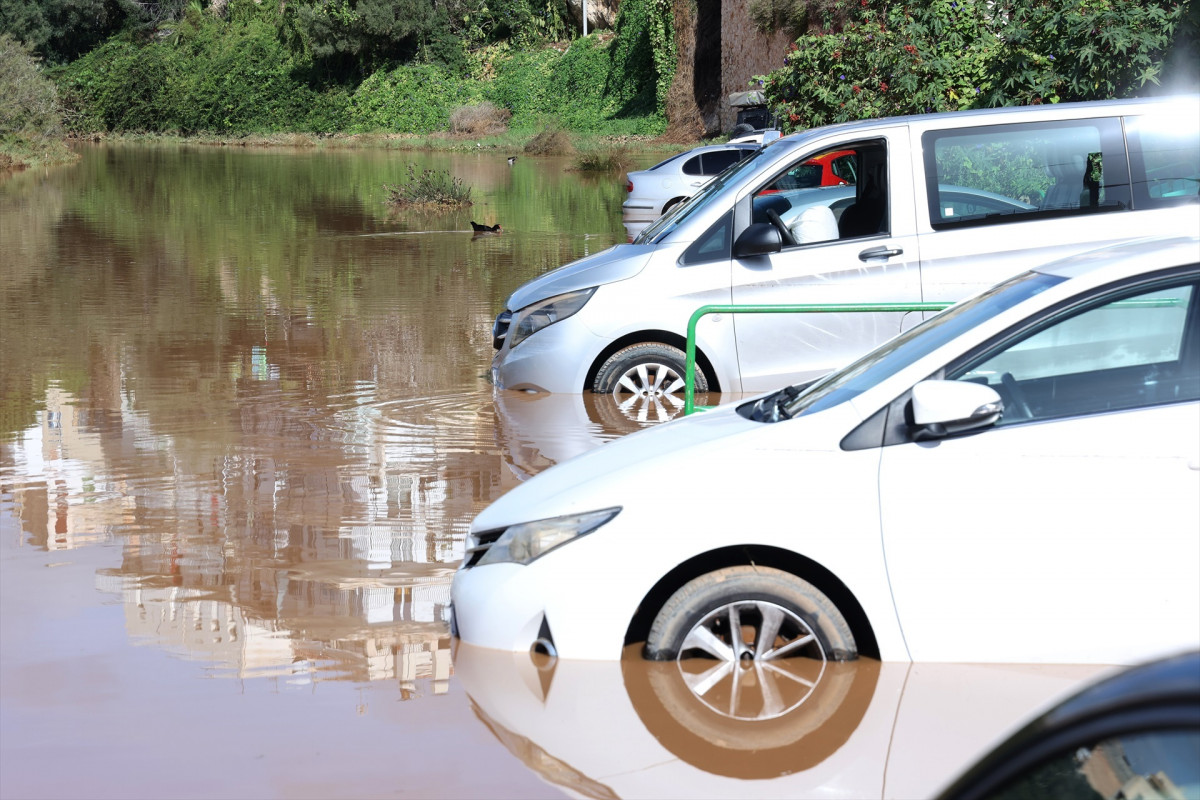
[(244, 425)]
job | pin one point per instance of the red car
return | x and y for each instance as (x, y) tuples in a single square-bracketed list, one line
[(835, 168)]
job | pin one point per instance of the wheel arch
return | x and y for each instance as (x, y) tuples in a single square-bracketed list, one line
[(756, 555), (649, 337), (674, 201)]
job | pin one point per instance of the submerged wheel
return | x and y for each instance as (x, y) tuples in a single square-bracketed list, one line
[(750, 616), (646, 370)]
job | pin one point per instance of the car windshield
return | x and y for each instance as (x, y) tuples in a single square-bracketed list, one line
[(914, 344), (662, 226)]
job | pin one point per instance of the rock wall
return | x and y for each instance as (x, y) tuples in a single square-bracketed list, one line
[(744, 53), (602, 14)]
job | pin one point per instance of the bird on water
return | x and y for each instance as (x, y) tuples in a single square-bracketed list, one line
[(475, 226)]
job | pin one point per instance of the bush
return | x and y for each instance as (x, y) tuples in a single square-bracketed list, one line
[(946, 55), (615, 159), (429, 189), (483, 119), (410, 99), (30, 116), (552, 141)]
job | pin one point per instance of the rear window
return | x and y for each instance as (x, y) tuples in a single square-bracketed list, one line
[(1003, 173), (717, 161)]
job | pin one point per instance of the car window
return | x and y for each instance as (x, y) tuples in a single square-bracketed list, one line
[(713, 245), (788, 200), (663, 163), (717, 161), (845, 168), (1128, 352), (1040, 169), (692, 166), (916, 343), (1153, 764), (1165, 160)]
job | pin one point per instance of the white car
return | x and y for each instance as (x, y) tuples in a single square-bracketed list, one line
[(660, 188), (1015, 480)]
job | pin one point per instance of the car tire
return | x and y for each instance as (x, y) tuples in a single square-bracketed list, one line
[(696, 619), (649, 370)]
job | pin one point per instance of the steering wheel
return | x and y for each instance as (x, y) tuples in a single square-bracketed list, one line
[(784, 232), (1017, 396)]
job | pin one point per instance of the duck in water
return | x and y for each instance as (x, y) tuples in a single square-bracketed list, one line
[(475, 226)]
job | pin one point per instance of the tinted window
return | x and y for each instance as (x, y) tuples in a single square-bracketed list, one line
[(1129, 352), (716, 162), (1025, 171), (692, 166), (1164, 156), (714, 245), (1158, 764)]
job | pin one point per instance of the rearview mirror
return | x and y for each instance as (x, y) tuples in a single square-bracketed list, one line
[(943, 408)]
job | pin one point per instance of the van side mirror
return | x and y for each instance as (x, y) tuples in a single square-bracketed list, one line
[(760, 239), (943, 408)]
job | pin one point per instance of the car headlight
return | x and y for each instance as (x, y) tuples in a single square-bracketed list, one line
[(526, 541), (532, 318)]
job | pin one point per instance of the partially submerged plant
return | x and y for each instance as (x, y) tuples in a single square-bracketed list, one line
[(614, 159), (431, 188)]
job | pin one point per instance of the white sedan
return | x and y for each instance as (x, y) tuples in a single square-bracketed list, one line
[(660, 188), (1016, 480)]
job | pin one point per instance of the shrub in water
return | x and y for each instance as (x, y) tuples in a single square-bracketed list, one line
[(552, 141), (429, 189)]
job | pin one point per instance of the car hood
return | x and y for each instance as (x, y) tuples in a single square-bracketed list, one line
[(609, 266), (659, 456), (573, 485)]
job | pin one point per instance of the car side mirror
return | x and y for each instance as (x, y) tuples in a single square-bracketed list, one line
[(760, 239), (944, 408)]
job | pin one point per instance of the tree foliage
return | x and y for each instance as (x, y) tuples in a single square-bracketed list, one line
[(946, 55), (30, 127)]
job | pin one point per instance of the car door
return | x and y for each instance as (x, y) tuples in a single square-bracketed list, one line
[(869, 255), (1070, 531)]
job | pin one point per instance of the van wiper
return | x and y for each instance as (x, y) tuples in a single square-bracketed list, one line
[(773, 407)]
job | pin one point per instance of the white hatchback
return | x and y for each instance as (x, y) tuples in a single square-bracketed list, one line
[(1015, 480)]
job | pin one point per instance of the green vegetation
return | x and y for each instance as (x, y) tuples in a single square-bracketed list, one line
[(611, 159), (431, 188), (242, 67), (879, 59), (30, 129)]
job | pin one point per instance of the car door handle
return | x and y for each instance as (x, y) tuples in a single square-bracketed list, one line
[(879, 252)]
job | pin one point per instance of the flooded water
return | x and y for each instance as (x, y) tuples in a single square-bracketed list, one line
[(244, 424)]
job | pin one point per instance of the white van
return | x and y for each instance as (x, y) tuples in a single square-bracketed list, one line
[(941, 206)]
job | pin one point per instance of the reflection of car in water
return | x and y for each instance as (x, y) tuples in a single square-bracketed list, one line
[(640, 729), (536, 430)]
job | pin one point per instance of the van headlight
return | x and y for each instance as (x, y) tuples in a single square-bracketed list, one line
[(532, 318), (526, 541)]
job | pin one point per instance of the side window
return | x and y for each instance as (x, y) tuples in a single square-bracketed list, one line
[(844, 168), (715, 244), (717, 161), (692, 166), (1164, 158), (808, 210), (1129, 352), (1146, 764), (1003, 173)]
